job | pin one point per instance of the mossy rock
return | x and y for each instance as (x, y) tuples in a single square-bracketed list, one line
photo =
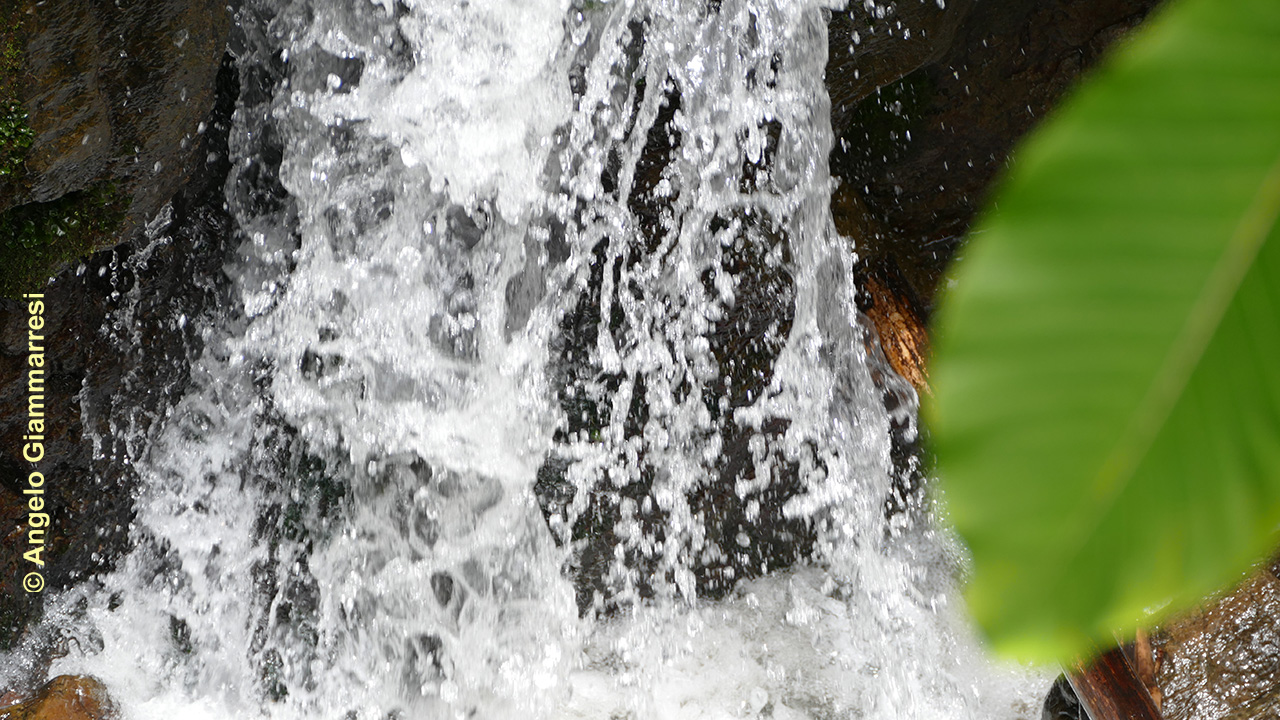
[(36, 239), (16, 136), (101, 119)]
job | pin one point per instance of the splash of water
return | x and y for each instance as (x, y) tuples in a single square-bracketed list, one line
[(514, 277)]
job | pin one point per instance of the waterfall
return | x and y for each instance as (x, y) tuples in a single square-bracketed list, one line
[(543, 393)]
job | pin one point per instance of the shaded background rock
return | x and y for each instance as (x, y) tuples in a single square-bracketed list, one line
[(917, 155), (114, 96)]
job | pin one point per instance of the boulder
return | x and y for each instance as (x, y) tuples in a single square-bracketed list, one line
[(1223, 661), (66, 697), (928, 99)]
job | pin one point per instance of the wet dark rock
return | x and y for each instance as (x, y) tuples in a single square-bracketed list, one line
[(114, 97), (872, 48), (925, 125), (304, 495), (623, 552), (1061, 702), (454, 330), (928, 99), (442, 587), (467, 226), (925, 111), (926, 106), (326, 71), (544, 247), (1222, 660), (423, 661), (180, 635), (120, 329)]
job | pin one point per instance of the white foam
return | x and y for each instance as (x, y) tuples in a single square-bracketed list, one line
[(371, 345)]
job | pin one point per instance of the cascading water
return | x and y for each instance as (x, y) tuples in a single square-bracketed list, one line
[(543, 393)]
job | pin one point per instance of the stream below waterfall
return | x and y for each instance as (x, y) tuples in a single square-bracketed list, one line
[(543, 394)]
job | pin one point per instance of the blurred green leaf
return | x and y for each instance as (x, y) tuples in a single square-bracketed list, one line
[(1107, 363)]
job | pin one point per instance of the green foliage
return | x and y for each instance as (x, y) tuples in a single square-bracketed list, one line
[(37, 238), (16, 136), (1107, 367)]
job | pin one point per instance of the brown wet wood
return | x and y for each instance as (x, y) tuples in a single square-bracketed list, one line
[(903, 336), (1110, 689), (1146, 662)]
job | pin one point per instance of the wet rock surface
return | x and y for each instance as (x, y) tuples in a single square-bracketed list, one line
[(115, 97), (928, 100), (623, 549), (927, 103), (120, 328), (1223, 661), (925, 108), (1061, 703), (66, 697)]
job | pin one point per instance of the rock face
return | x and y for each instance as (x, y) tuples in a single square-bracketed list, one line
[(117, 340), (1061, 703), (928, 98), (114, 97), (926, 105), (621, 531), (66, 697), (1223, 661)]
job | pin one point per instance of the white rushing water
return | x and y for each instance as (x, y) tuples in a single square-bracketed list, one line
[(339, 518)]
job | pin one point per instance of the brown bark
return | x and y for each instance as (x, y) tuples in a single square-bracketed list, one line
[(1110, 689)]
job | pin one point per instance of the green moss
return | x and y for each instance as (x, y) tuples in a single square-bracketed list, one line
[(16, 136), (37, 238)]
